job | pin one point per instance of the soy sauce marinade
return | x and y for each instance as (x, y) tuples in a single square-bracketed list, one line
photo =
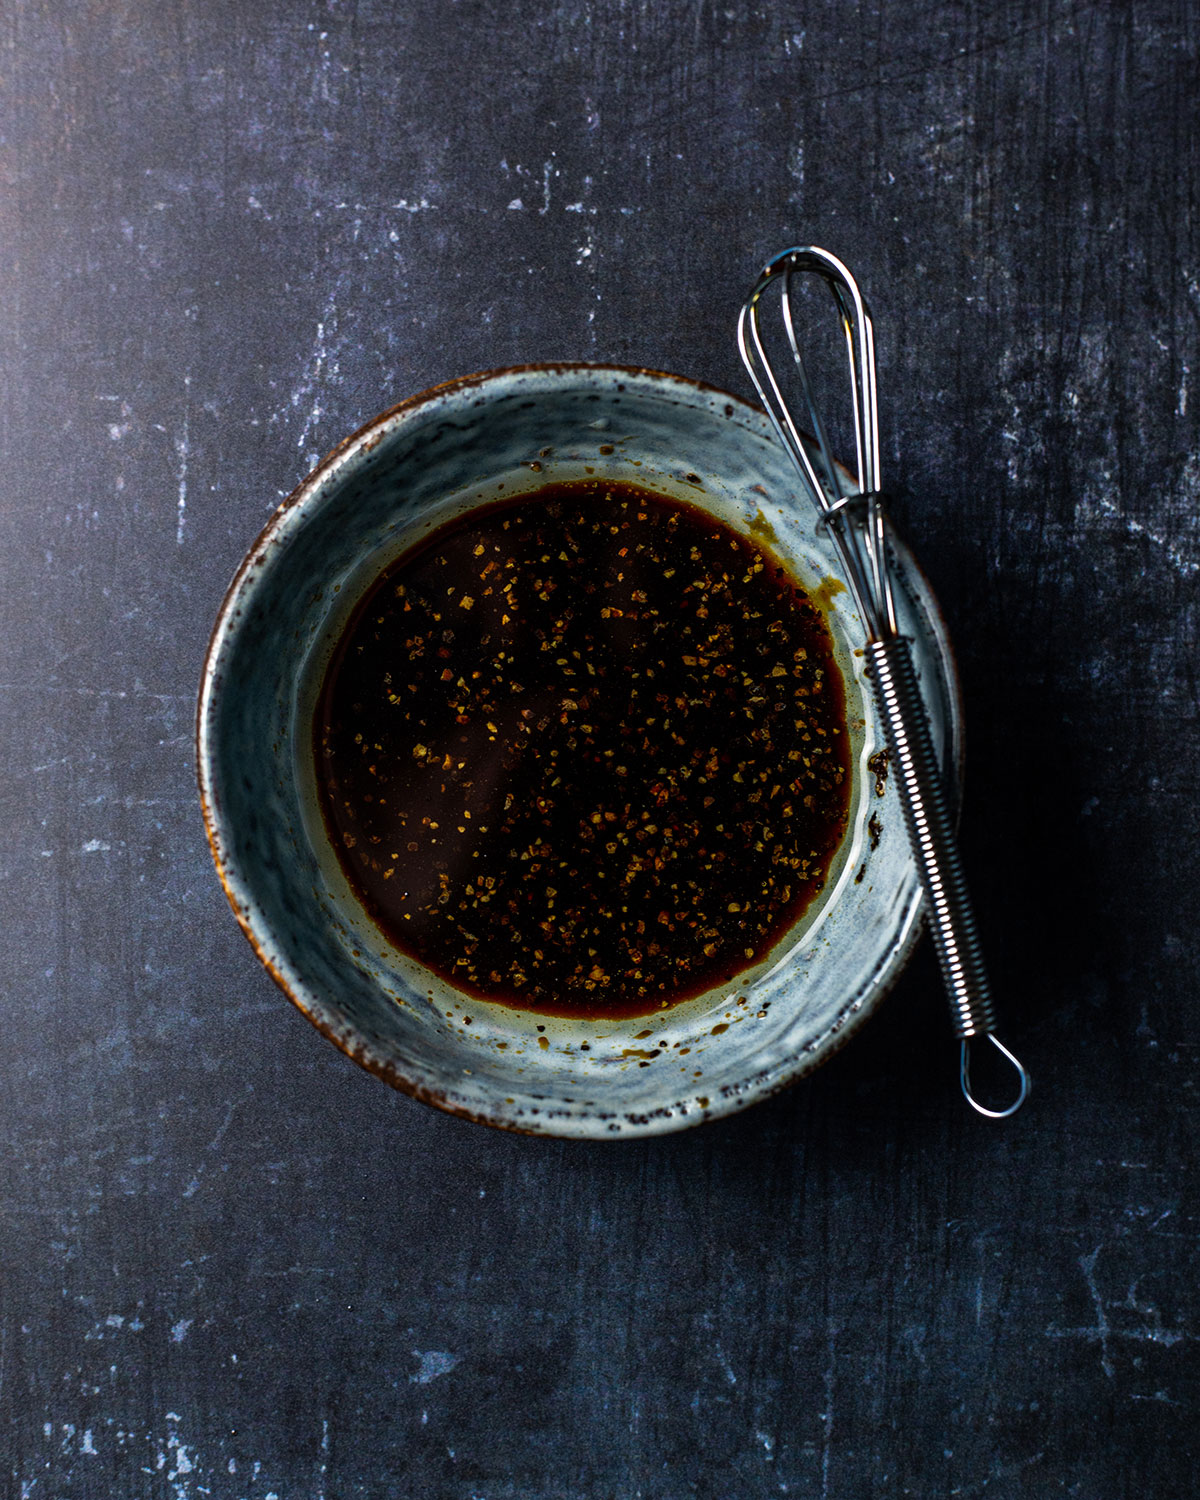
[(584, 752)]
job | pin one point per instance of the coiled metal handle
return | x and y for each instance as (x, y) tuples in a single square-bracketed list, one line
[(935, 848)]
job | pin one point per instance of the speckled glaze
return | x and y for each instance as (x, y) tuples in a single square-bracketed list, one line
[(433, 457)]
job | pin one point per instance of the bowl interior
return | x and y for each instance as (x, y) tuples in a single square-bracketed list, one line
[(434, 458)]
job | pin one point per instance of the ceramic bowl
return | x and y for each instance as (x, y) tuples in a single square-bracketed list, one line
[(427, 460)]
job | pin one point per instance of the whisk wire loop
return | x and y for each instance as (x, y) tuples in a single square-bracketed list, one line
[(862, 548)]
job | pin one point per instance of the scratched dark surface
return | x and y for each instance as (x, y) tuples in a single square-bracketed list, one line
[(232, 1264)]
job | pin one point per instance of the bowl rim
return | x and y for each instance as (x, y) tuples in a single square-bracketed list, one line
[(363, 439)]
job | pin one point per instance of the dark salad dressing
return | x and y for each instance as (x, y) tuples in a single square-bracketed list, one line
[(584, 752)]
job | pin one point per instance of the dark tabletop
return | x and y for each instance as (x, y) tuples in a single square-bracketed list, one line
[(234, 1265)]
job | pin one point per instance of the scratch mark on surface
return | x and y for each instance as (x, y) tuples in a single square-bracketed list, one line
[(55, 690), (121, 429), (827, 1414), (434, 1364), (1087, 1264), (182, 449), (548, 170), (796, 169), (228, 1120), (1175, 554), (723, 1361), (322, 368), (1002, 1471), (180, 1330), (324, 1469)]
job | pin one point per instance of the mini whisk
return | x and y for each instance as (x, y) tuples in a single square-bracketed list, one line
[(858, 527)]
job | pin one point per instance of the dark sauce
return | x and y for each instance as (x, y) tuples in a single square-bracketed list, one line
[(585, 752)]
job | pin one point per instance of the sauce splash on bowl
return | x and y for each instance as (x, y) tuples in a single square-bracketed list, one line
[(584, 752)]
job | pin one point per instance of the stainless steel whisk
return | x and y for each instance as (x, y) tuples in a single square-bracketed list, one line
[(859, 529)]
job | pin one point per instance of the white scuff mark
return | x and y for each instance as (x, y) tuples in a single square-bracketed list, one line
[(95, 846), (726, 1367), (796, 170), (191, 1188), (413, 206), (182, 451), (1001, 1471), (1152, 1330), (1181, 407), (122, 429), (114, 1320), (180, 1330), (321, 370), (1187, 566), (56, 690), (548, 170), (181, 1461), (230, 1110), (86, 1445), (1087, 1264), (434, 1364), (324, 1469), (516, 204), (768, 1443), (827, 1414), (570, 208)]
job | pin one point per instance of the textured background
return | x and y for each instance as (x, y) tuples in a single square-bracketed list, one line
[(231, 1264)]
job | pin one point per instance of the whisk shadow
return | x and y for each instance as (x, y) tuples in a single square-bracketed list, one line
[(1021, 833)]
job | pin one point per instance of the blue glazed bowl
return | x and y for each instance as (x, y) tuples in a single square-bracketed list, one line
[(424, 462)]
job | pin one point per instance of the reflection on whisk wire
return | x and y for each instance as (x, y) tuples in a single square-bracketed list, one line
[(857, 524)]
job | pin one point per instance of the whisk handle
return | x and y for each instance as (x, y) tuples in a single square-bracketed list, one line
[(931, 833)]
